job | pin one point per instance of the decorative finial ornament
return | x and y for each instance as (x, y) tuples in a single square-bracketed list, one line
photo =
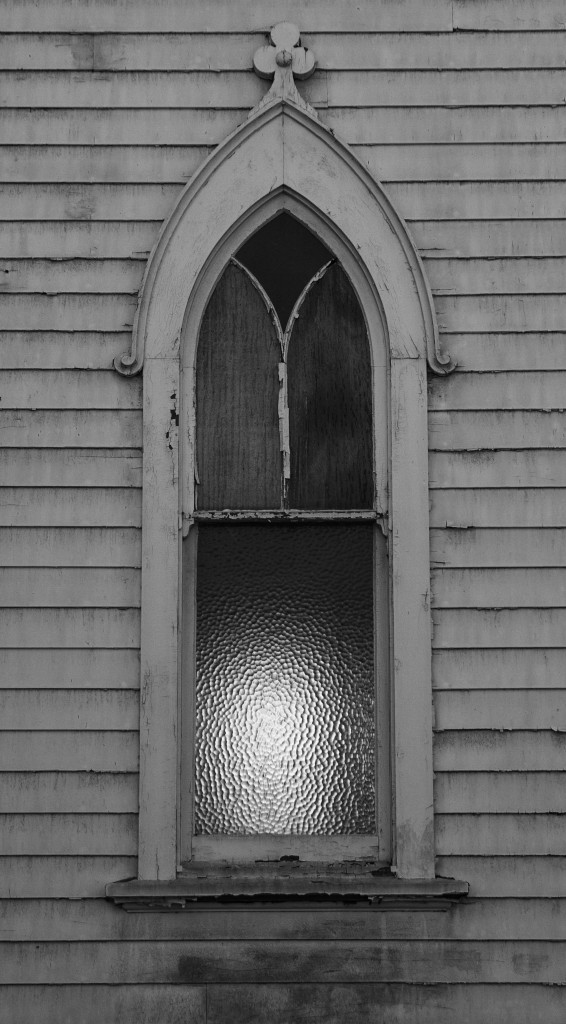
[(283, 61)]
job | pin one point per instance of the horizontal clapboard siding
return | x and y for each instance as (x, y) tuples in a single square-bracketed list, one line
[(108, 107)]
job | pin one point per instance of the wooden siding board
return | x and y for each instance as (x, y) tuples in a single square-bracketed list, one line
[(88, 835), (174, 15), (60, 750), (74, 546), (70, 312), (447, 276), (134, 208), (504, 669), (84, 239), (507, 876), (493, 312), (61, 428), (243, 90), (501, 794), (65, 276), (523, 507), (62, 349), (493, 750), (68, 793), (376, 123), (501, 15), (70, 627), (37, 668), (500, 709), (284, 962), (182, 51), (517, 835), (499, 588), (471, 430), (463, 239), (78, 587), (389, 1004), (104, 1004), (70, 877), (536, 389), (508, 468), (89, 710), (176, 164), (513, 351), (69, 389), (70, 506), (96, 920), (63, 467)]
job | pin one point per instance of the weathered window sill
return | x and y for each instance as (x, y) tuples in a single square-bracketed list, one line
[(287, 882)]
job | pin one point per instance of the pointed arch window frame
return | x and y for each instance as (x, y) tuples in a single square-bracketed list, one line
[(283, 158)]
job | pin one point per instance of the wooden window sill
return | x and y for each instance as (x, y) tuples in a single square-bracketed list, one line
[(286, 882)]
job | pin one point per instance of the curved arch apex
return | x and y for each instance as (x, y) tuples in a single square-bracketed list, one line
[(283, 149)]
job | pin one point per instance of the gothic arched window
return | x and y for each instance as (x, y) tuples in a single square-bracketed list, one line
[(286, 564)]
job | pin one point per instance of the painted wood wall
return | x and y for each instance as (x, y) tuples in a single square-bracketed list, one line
[(106, 108)]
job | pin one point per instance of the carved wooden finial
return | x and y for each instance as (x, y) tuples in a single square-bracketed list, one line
[(283, 61)]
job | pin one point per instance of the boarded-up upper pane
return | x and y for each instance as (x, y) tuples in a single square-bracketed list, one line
[(284, 255), (330, 399), (238, 457)]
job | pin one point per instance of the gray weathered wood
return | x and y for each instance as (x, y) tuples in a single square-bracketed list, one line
[(499, 709), (84, 428), (502, 627), (391, 1003), (502, 835), (485, 87), (73, 545), (499, 507), (173, 16), (496, 16), (507, 876), (70, 709), (77, 750), (514, 351), (70, 669), (494, 313), (505, 669), (470, 430), (68, 389), (179, 51), (61, 276), (67, 312), (75, 587), (489, 238), (58, 239), (499, 750), (68, 792), (69, 467), (70, 877), (92, 1004), (369, 125), (125, 208), (61, 349), (546, 468), (284, 961), (498, 588), (501, 793), (70, 627), (69, 834), (70, 506)]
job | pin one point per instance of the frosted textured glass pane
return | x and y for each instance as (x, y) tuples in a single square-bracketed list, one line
[(285, 729), (283, 255), (330, 410), (238, 457)]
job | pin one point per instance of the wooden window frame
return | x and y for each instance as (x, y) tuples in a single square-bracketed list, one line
[(282, 158), (376, 847)]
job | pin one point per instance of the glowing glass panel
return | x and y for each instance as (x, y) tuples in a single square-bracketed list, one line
[(285, 706)]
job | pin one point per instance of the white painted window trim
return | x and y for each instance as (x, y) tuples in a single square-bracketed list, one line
[(282, 157)]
